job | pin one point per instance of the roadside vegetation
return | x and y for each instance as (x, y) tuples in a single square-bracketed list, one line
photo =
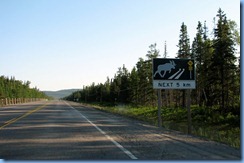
[(215, 103), (206, 122), (12, 88)]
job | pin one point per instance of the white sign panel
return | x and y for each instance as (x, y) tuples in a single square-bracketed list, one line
[(173, 84), (173, 74)]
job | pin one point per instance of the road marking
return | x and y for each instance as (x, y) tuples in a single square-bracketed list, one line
[(177, 77), (127, 152), (23, 116), (172, 76)]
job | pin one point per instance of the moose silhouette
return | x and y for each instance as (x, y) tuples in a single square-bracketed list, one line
[(165, 67)]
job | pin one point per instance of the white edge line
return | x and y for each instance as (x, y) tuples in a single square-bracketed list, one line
[(172, 76), (127, 152), (177, 77)]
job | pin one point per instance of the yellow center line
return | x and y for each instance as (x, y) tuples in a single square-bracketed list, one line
[(23, 116)]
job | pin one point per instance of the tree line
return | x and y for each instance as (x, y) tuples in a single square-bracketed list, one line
[(12, 88), (217, 72)]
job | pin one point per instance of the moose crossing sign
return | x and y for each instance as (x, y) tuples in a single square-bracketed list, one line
[(173, 73)]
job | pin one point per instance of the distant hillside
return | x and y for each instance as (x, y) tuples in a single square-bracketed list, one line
[(61, 93)]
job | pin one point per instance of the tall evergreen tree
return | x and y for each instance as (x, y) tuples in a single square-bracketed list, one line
[(134, 86), (205, 73), (197, 52), (184, 51), (223, 60), (184, 43), (152, 53)]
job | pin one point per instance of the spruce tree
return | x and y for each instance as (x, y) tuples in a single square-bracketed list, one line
[(223, 60), (184, 51), (184, 43)]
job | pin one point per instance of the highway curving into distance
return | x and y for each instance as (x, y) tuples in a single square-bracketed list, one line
[(60, 130)]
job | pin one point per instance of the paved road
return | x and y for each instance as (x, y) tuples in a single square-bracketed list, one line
[(59, 130)]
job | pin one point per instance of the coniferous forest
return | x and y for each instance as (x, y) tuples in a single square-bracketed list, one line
[(12, 88), (217, 72), (215, 103)]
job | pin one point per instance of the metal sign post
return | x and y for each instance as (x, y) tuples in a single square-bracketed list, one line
[(159, 108), (189, 110), (174, 74)]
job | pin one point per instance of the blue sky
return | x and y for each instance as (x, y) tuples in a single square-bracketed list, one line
[(62, 44)]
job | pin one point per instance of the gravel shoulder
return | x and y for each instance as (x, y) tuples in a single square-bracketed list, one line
[(151, 143)]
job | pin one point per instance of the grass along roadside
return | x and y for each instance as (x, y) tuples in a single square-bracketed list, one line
[(206, 122)]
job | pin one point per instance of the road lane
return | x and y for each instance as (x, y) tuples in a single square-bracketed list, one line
[(69, 131), (127, 152), (16, 118), (12, 112), (55, 132)]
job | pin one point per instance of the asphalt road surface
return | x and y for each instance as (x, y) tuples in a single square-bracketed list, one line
[(59, 130)]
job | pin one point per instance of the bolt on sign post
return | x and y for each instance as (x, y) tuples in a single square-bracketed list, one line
[(174, 74)]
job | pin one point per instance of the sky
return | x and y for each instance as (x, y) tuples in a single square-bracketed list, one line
[(64, 44)]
